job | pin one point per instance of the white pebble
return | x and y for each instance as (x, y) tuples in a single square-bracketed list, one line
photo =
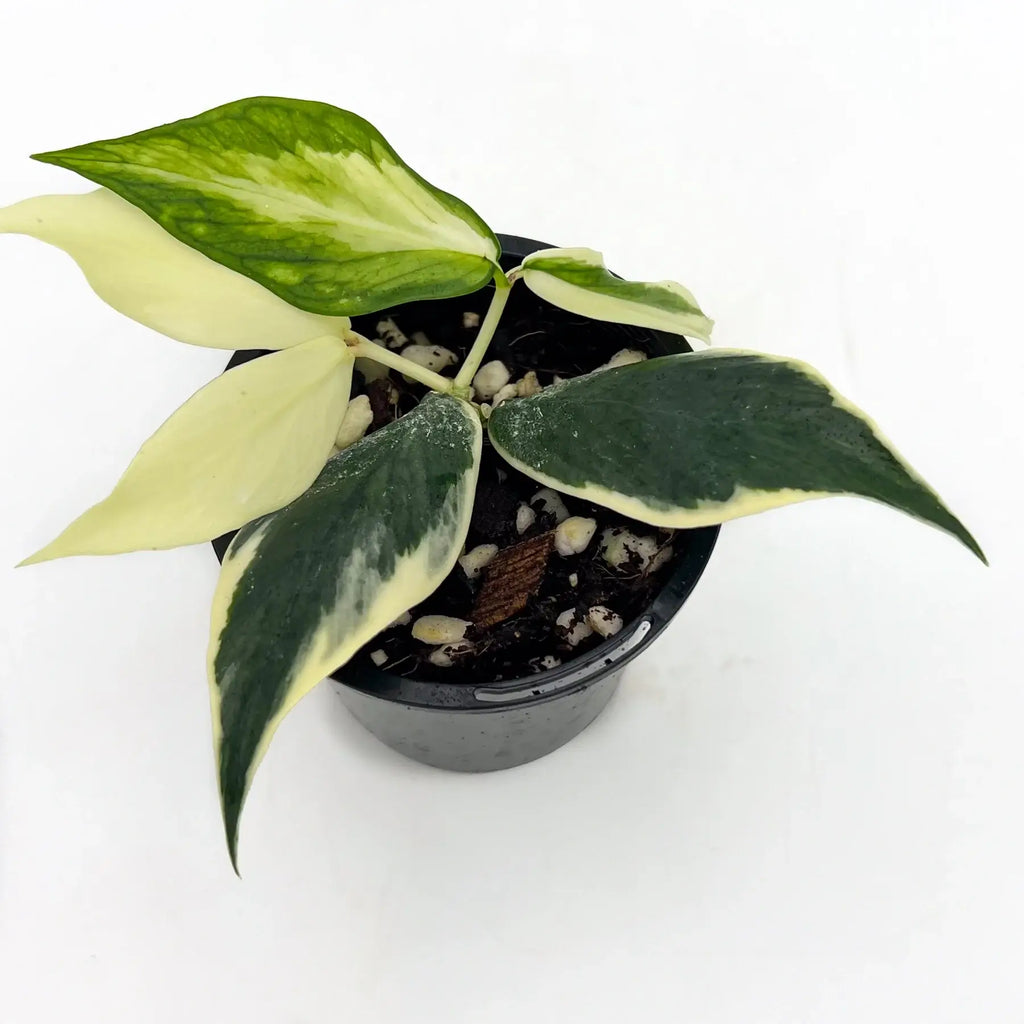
[(525, 518), (549, 661), (618, 546), (504, 394), (432, 357), (358, 417), (490, 379), (445, 657), (470, 319), (388, 332), (557, 380), (551, 501), (573, 579), (473, 562), (403, 620), (604, 620), (439, 629), (574, 628), (528, 385), (624, 357), (370, 369), (573, 535), (378, 657)]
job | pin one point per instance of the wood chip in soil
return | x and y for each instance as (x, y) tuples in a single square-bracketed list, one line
[(513, 577)]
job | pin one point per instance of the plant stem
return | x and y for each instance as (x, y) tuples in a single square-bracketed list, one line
[(379, 354), (476, 354)]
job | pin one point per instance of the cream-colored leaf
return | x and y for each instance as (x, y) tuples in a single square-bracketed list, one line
[(248, 443), (135, 266)]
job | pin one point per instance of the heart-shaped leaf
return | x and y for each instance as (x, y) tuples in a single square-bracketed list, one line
[(697, 439), (306, 199)]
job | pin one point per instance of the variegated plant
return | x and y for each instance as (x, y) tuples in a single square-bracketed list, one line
[(265, 224)]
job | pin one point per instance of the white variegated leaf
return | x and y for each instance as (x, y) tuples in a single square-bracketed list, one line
[(577, 280), (246, 444), (309, 200), (146, 274), (303, 589)]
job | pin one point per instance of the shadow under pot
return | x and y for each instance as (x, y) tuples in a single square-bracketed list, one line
[(456, 720)]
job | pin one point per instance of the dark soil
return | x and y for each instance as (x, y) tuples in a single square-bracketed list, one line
[(533, 336)]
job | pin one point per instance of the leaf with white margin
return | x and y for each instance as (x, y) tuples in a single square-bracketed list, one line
[(246, 444), (697, 439), (303, 589), (307, 199), (577, 280), (139, 269)]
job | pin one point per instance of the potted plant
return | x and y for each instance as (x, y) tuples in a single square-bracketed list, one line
[(347, 460)]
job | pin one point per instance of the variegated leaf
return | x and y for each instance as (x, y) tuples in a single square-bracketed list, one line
[(306, 199), (577, 280), (697, 439), (246, 444), (144, 273), (303, 589)]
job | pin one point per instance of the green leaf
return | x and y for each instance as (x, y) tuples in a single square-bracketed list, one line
[(303, 589), (249, 442), (576, 280), (697, 439), (139, 269), (306, 199)]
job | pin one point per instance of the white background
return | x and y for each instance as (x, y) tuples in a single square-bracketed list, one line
[(805, 804)]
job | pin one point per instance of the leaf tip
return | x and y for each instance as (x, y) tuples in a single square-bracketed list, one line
[(42, 555)]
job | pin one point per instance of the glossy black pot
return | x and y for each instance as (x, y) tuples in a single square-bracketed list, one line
[(478, 728)]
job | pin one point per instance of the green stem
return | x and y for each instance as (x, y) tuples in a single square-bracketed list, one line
[(379, 354), (476, 354)]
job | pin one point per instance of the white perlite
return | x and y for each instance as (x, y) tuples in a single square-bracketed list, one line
[(439, 629), (549, 661), (470, 319), (624, 357), (473, 562), (525, 518), (378, 657), (504, 394), (490, 379), (388, 332), (528, 385), (604, 620), (446, 656), (358, 417), (574, 628), (551, 501), (370, 369), (432, 357), (403, 620), (619, 545), (573, 579), (573, 535)]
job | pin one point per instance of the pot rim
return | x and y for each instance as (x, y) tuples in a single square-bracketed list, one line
[(572, 676), (611, 655)]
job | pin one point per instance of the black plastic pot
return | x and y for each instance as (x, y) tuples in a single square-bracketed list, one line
[(478, 728)]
